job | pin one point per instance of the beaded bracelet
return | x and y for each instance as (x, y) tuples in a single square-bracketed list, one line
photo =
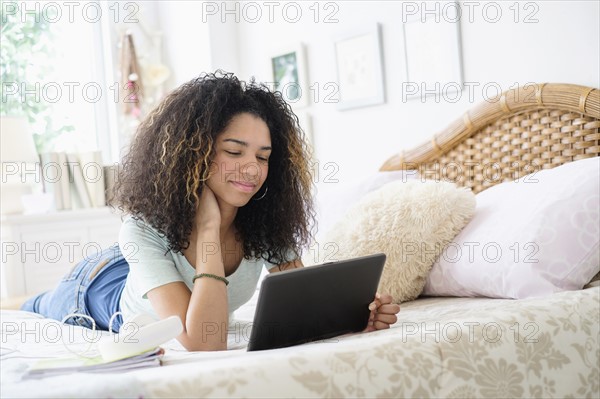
[(223, 279)]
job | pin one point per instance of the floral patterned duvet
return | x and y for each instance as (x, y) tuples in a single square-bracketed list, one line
[(440, 347)]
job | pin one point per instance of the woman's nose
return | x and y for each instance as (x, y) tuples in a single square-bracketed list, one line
[(250, 169)]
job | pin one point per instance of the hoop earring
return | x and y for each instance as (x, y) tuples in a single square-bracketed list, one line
[(262, 196)]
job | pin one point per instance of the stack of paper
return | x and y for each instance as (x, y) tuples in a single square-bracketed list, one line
[(52, 367)]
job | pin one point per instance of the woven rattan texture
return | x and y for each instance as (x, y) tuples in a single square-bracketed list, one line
[(514, 147), (516, 142)]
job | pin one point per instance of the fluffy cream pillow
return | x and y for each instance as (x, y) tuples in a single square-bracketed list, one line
[(411, 222)]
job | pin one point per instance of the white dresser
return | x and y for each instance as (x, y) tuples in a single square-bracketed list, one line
[(37, 250)]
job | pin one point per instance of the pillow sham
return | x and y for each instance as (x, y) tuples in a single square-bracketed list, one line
[(410, 222), (531, 237)]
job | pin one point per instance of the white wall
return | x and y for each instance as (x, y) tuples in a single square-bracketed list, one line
[(563, 46), (186, 42)]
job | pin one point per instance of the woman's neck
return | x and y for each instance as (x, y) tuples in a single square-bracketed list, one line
[(228, 213)]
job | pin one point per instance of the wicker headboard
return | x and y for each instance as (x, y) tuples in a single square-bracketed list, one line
[(538, 126)]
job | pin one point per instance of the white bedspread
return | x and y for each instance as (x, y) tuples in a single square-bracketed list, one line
[(440, 347)]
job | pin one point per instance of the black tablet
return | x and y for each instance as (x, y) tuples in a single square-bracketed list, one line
[(315, 302)]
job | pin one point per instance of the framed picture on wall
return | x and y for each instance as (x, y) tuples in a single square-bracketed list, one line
[(433, 55), (288, 70), (359, 58)]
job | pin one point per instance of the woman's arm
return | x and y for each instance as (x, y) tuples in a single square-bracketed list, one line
[(204, 311), (295, 264)]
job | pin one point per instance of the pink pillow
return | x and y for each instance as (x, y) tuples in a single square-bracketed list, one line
[(531, 237)]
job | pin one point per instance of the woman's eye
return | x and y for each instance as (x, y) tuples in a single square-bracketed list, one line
[(261, 159)]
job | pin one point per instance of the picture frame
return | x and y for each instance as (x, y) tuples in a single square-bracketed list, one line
[(288, 71), (433, 55), (359, 65)]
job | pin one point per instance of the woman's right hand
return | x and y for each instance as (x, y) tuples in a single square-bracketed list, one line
[(208, 213)]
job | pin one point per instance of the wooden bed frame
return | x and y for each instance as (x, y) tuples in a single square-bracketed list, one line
[(538, 126)]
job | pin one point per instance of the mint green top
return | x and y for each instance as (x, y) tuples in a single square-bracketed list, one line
[(152, 264)]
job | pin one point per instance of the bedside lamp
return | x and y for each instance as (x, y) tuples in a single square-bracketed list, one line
[(18, 154)]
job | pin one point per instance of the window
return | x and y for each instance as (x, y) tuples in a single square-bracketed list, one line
[(54, 71)]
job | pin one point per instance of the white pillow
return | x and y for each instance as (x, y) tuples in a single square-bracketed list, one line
[(531, 237)]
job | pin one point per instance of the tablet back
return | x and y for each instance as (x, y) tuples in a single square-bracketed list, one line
[(315, 302)]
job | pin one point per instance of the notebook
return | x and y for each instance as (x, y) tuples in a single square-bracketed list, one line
[(315, 303), (53, 367)]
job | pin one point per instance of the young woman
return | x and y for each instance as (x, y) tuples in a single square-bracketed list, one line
[(216, 186)]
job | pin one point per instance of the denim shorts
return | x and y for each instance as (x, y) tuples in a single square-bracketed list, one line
[(68, 302)]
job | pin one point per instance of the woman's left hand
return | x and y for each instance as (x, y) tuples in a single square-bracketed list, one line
[(383, 313)]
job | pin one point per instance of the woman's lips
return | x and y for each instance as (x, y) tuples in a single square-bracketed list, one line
[(245, 187)]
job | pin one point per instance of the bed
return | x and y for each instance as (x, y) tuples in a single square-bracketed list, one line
[(456, 347)]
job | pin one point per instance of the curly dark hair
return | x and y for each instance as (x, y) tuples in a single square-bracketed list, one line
[(163, 174)]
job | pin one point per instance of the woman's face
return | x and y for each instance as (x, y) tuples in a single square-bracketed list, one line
[(241, 160)]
